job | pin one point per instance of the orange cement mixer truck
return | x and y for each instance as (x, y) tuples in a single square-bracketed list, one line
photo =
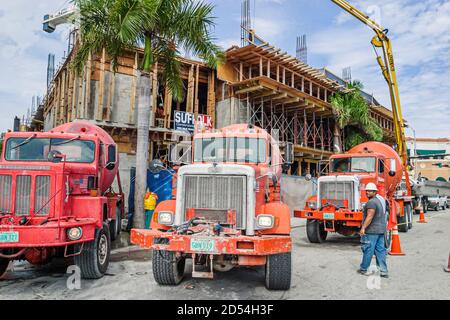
[(340, 199), (227, 212)]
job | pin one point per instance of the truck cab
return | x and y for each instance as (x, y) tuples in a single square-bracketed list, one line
[(56, 197), (227, 212)]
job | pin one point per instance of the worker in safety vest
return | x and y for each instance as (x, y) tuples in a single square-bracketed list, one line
[(372, 233), (149, 205)]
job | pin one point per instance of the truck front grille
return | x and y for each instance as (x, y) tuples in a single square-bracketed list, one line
[(337, 192), (23, 192), (5, 193), (42, 195), (218, 193), (21, 197)]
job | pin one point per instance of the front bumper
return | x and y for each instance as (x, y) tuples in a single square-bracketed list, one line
[(351, 218), (51, 234), (238, 245)]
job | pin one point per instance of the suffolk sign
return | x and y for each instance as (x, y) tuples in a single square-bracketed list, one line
[(185, 121)]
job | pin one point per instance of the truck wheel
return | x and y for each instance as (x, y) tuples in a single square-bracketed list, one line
[(116, 225), (278, 272), (403, 222), (425, 206), (168, 270), (408, 211), (315, 231), (94, 259), (4, 263)]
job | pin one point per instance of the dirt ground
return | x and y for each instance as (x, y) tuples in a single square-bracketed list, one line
[(326, 271)]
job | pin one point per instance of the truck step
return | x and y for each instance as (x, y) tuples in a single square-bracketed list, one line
[(203, 274), (329, 226)]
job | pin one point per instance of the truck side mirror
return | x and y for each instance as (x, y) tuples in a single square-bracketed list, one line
[(393, 168), (55, 156), (111, 157), (289, 153), (308, 177)]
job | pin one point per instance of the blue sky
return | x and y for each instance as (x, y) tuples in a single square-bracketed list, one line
[(420, 31)]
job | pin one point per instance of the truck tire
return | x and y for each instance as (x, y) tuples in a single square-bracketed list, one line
[(315, 231), (425, 206), (278, 272), (94, 259), (408, 211), (168, 270), (4, 263), (115, 226), (403, 222)]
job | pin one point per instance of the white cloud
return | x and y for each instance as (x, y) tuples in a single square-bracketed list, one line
[(269, 29), (421, 41)]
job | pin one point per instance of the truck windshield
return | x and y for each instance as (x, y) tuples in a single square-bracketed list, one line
[(37, 149), (237, 150), (344, 165)]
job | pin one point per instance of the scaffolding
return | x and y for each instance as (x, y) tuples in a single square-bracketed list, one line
[(308, 130)]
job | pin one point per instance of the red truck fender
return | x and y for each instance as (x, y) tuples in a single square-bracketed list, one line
[(282, 215), (170, 206)]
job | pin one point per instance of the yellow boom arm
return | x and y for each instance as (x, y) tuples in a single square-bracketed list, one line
[(381, 40)]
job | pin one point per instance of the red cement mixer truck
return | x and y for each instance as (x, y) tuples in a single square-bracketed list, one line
[(338, 204), (56, 197), (227, 212)]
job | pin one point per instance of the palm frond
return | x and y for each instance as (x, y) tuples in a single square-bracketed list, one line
[(353, 115)]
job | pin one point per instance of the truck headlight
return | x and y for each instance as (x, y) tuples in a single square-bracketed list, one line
[(312, 205), (265, 221), (74, 234), (165, 218)]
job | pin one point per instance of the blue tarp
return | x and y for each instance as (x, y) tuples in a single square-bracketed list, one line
[(159, 183)]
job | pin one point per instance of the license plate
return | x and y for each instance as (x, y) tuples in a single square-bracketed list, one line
[(328, 216), (203, 245), (9, 237)]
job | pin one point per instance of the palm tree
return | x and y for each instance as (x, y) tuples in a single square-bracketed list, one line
[(162, 27), (352, 115)]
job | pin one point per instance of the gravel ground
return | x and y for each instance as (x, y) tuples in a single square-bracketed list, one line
[(326, 271)]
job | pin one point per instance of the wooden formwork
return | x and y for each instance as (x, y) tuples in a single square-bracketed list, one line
[(91, 94)]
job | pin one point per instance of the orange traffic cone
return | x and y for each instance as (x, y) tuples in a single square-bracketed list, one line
[(422, 217), (448, 265), (396, 249)]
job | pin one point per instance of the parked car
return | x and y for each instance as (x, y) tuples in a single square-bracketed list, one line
[(437, 203)]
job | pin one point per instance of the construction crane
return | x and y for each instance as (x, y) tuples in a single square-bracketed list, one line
[(67, 15), (386, 62)]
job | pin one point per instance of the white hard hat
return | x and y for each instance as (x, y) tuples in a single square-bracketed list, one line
[(371, 187)]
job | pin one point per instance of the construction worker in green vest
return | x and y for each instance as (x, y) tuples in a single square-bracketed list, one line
[(149, 205)]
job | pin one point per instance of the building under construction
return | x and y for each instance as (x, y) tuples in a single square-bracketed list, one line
[(259, 84)]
